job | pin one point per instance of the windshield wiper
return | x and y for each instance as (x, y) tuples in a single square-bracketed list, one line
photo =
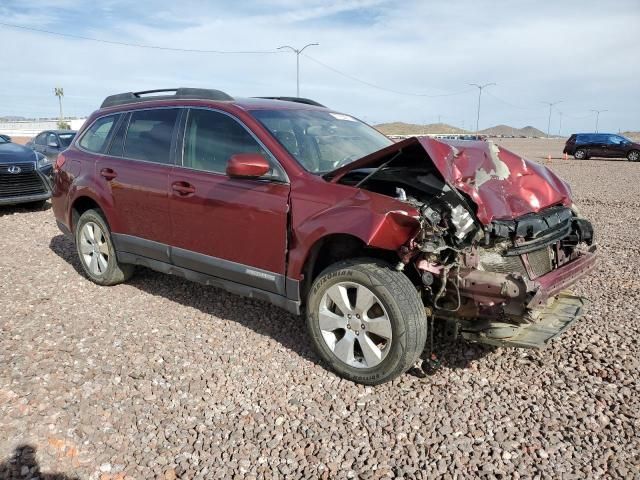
[(357, 185)]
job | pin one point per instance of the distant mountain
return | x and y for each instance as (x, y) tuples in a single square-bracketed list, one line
[(11, 118), (507, 131), (402, 128), (632, 135)]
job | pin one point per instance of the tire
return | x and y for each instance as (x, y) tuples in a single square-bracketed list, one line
[(633, 156), (580, 154), (98, 257), (391, 312)]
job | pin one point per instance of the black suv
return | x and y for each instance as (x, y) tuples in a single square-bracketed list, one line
[(608, 145)]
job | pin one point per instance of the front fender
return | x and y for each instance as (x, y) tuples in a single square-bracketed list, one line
[(379, 222)]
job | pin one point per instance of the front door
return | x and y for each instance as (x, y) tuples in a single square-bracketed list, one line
[(231, 228)]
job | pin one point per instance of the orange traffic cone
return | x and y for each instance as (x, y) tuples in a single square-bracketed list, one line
[(549, 158), (566, 157)]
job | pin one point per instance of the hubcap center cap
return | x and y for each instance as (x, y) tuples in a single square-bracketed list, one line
[(355, 323)]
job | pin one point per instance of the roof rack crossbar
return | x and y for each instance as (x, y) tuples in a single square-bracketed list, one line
[(180, 93), (306, 101)]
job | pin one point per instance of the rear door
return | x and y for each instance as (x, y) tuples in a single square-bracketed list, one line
[(599, 146), (135, 171), (231, 228)]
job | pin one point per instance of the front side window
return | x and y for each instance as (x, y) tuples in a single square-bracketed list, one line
[(211, 138), (52, 139), (95, 139), (149, 135), (617, 140), (320, 140)]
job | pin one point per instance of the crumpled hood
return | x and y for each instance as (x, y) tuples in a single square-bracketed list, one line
[(14, 153), (502, 184)]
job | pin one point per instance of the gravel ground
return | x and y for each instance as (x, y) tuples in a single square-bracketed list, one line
[(162, 378)]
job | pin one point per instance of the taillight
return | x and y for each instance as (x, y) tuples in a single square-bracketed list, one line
[(60, 161)]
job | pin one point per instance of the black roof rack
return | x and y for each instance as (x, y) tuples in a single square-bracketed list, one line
[(306, 101), (179, 93)]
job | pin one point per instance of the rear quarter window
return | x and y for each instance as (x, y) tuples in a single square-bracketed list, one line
[(95, 138)]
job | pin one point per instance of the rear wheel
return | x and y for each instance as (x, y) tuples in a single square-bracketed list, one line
[(366, 320), (633, 156), (96, 251), (580, 154)]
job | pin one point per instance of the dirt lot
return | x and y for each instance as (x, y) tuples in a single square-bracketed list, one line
[(161, 378)]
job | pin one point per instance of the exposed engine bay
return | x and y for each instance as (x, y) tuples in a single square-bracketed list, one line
[(487, 278)]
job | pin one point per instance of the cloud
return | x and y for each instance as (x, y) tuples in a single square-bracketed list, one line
[(582, 54)]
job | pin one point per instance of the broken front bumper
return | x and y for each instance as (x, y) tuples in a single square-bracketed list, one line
[(557, 317), (518, 312)]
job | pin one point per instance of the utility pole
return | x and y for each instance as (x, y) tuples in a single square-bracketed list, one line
[(551, 104), (59, 92), (560, 126), (598, 112), (298, 51), (480, 88)]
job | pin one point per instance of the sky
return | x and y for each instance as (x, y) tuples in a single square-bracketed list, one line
[(379, 60)]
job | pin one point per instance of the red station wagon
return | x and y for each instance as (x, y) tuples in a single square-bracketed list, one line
[(287, 201)]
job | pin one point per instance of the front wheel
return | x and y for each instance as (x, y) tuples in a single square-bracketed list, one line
[(633, 156), (366, 320), (96, 251)]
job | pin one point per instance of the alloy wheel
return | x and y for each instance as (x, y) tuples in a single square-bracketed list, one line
[(94, 248), (634, 156), (355, 325)]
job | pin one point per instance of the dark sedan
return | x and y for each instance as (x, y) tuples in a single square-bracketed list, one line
[(52, 142), (25, 175)]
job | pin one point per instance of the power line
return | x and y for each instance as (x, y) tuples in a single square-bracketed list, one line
[(385, 89), (509, 103), (137, 45)]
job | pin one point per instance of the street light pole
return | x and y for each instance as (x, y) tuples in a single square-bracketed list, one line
[(551, 104), (59, 92), (560, 126), (480, 88), (298, 51), (598, 116)]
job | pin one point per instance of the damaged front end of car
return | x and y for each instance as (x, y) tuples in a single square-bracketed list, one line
[(499, 239)]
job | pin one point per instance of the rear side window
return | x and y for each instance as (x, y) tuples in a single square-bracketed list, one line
[(41, 139), (149, 135), (95, 139), (211, 138)]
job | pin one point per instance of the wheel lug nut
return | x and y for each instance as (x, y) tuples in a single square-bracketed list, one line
[(349, 327), (357, 332), (362, 326)]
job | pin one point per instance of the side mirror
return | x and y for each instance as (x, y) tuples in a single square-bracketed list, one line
[(52, 144), (247, 165)]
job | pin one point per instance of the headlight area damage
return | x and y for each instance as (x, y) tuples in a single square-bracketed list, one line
[(498, 241)]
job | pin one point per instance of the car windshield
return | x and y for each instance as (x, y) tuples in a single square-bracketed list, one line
[(65, 139), (319, 140)]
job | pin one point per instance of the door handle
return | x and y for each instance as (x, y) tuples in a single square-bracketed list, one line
[(183, 188), (108, 173)]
